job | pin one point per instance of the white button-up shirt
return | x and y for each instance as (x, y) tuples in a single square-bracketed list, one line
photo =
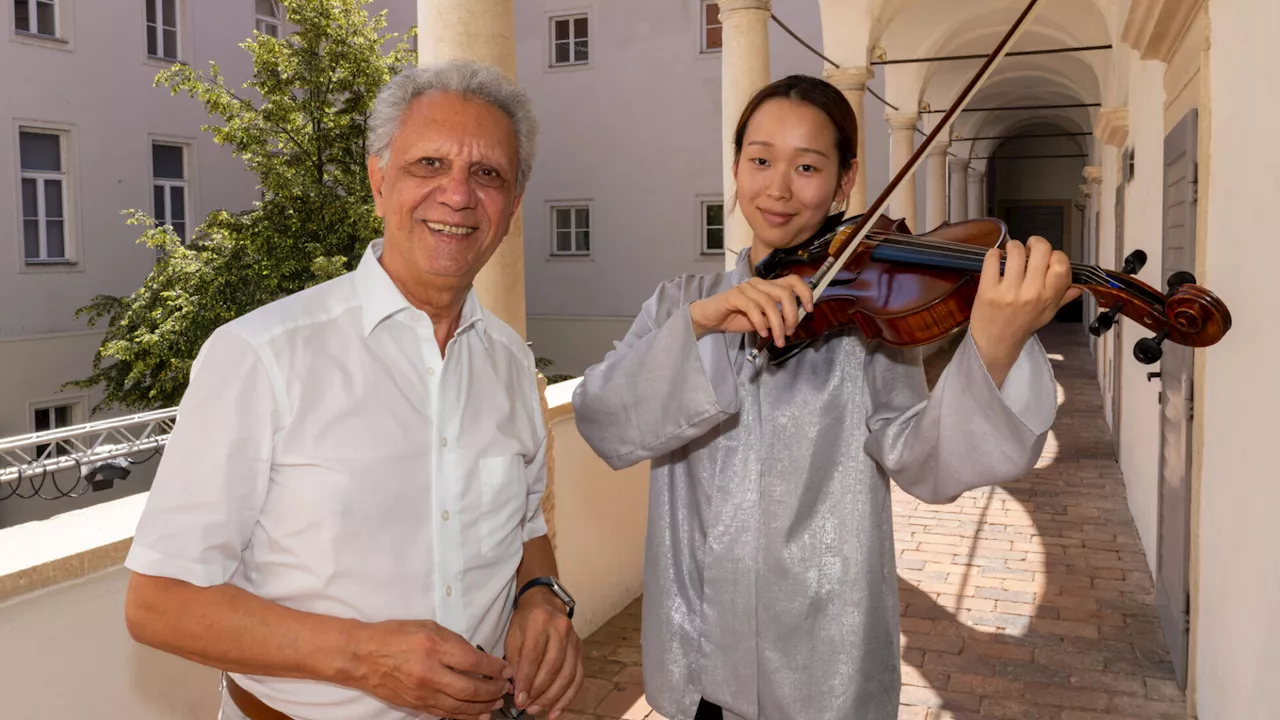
[(327, 458)]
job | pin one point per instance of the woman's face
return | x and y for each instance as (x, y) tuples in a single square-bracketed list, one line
[(788, 173)]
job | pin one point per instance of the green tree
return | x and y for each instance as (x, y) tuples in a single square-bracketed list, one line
[(299, 124)]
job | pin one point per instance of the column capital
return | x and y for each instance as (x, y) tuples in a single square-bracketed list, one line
[(1154, 27), (1086, 190), (1093, 174), (902, 120), (1112, 126), (939, 149), (729, 7), (976, 175), (846, 79), (959, 164)]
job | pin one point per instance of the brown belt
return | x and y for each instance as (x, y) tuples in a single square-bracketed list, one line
[(250, 705)]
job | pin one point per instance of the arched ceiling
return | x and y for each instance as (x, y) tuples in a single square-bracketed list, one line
[(934, 28)]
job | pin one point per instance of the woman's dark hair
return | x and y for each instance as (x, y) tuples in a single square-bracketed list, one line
[(818, 93)]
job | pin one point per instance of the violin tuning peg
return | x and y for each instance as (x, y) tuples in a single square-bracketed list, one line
[(1147, 350), (1133, 262), (1105, 320), (1182, 277)]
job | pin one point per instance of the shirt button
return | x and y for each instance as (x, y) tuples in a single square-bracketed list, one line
[(431, 371), (445, 515), (448, 591), (444, 442)]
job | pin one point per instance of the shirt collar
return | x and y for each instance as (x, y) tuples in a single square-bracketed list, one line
[(381, 299)]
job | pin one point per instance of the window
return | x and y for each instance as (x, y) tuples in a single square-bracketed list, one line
[(713, 227), (52, 418), (169, 184), (37, 17), (268, 17), (569, 40), (44, 196), (712, 39), (162, 29), (571, 230)]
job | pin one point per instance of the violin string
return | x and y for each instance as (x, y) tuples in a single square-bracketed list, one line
[(958, 250), (1091, 274)]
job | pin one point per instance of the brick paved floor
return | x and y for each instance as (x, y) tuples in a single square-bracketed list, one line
[(1030, 602)]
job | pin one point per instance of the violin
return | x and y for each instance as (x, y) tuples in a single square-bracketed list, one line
[(911, 290), (871, 274)]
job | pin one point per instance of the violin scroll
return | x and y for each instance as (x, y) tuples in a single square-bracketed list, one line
[(1187, 314)]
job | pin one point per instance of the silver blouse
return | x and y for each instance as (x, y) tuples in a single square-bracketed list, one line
[(770, 582)]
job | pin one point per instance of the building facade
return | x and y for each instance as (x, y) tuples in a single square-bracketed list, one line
[(88, 136)]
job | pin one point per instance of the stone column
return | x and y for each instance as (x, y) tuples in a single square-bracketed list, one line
[(902, 144), (852, 82), (977, 196), (483, 31), (744, 69), (935, 211), (959, 189)]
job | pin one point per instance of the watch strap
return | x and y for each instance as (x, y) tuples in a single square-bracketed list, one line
[(555, 588)]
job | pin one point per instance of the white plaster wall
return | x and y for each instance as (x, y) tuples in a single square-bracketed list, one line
[(67, 654), (601, 517), (1238, 655), (575, 343), (1140, 415)]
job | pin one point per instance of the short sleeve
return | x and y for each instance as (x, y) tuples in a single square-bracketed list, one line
[(535, 522), (212, 479)]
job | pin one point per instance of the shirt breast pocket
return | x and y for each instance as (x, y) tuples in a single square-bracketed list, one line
[(503, 494)]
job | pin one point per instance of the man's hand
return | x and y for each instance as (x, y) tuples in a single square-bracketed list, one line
[(546, 652), (1011, 306), (426, 667)]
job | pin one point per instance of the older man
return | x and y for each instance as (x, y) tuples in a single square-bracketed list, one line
[(349, 505)]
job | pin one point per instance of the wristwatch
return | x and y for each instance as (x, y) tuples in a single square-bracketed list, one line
[(555, 587)]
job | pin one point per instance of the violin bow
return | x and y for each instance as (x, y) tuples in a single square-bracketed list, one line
[(826, 273)]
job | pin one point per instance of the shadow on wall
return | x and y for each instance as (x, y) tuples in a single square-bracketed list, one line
[(1035, 599)]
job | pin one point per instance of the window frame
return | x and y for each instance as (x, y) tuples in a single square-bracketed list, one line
[(704, 27), (570, 18), (278, 21), (41, 177), (33, 17), (169, 183), (703, 227), (160, 28), (573, 206), (77, 413)]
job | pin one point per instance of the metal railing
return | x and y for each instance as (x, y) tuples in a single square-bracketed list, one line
[(85, 446)]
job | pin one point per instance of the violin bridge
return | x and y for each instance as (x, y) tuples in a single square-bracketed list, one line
[(837, 243)]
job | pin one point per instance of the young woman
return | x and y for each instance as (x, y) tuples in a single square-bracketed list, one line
[(770, 586)]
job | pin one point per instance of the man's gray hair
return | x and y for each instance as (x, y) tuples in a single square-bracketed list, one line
[(470, 79)]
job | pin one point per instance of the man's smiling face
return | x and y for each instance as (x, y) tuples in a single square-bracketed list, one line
[(448, 191)]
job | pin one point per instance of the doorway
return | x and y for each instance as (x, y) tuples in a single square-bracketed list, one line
[(1173, 549), (1050, 219)]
